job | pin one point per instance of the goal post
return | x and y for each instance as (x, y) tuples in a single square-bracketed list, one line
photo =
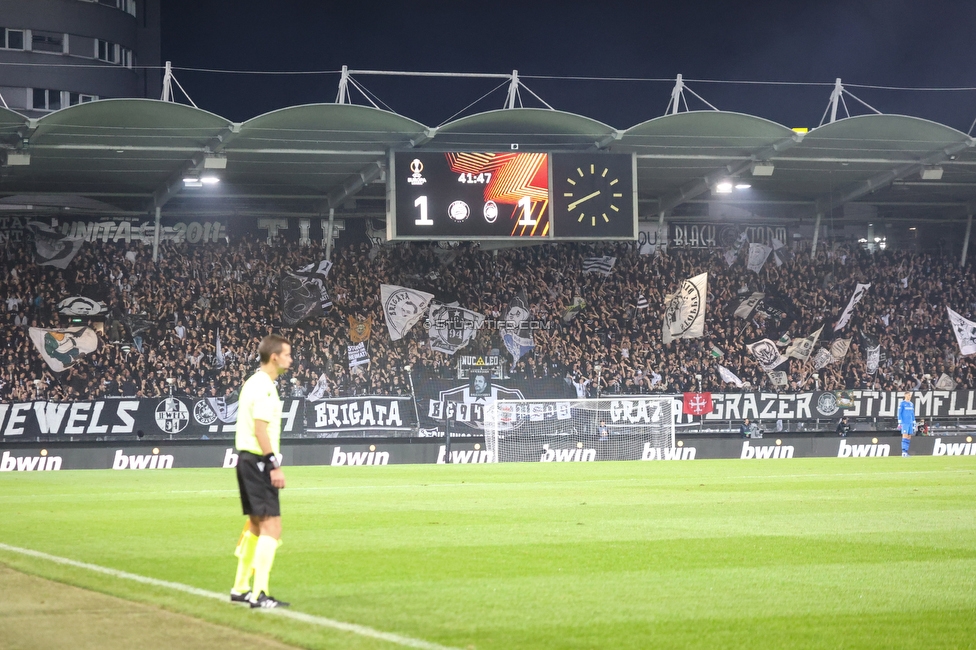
[(577, 430)]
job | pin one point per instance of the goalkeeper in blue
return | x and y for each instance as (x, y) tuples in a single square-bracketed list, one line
[(906, 422)]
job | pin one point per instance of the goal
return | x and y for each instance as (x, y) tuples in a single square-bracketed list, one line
[(625, 428)]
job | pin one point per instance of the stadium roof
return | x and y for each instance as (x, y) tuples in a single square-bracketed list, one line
[(128, 156)]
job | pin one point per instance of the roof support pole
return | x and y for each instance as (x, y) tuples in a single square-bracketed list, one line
[(512, 90), (343, 95), (835, 99), (156, 236), (328, 236), (676, 94), (965, 240), (816, 236), (167, 95)]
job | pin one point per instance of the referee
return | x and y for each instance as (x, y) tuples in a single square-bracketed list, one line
[(259, 474)]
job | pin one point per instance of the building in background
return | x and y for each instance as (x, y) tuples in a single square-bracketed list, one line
[(58, 53)]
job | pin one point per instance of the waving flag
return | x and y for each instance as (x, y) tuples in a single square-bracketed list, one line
[(451, 327), (684, 312), (60, 348), (965, 331), (856, 297), (517, 338), (601, 265), (403, 308), (758, 253)]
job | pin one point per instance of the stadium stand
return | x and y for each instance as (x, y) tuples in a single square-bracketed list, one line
[(164, 318)]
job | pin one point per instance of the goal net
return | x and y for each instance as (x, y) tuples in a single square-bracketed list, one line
[(578, 430)]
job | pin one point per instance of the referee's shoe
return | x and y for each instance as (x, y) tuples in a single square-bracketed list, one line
[(264, 601)]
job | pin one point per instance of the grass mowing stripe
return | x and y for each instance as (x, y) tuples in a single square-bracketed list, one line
[(361, 630)]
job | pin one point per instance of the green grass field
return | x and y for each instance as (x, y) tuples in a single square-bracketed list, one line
[(867, 553)]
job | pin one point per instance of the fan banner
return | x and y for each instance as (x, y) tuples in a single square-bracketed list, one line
[(517, 338), (602, 265), (81, 306), (747, 307)]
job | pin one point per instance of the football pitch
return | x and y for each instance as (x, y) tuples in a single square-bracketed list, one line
[(820, 553)]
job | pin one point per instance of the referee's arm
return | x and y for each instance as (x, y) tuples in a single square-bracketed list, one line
[(261, 433)]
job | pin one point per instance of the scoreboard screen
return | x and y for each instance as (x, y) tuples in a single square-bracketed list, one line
[(436, 195), (463, 195)]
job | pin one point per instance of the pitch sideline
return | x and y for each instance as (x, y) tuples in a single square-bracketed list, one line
[(321, 621)]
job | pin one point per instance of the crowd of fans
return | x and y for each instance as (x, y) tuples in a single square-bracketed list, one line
[(164, 318)]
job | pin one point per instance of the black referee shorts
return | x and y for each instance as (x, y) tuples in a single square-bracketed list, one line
[(258, 496)]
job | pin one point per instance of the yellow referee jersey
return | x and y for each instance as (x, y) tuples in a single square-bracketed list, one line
[(259, 401)]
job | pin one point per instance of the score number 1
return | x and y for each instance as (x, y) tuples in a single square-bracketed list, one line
[(526, 204), (424, 220)]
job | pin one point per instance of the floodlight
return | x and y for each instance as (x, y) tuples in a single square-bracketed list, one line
[(209, 180), (742, 186), (17, 159), (215, 161), (190, 181), (763, 169), (931, 173), (725, 187)]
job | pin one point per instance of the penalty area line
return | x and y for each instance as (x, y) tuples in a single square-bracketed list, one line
[(320, 621)]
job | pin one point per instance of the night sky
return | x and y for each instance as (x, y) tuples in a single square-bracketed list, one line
[(909, 43)]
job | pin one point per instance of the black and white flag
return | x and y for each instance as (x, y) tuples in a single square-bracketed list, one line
[(642, 302), (729, 376), (845, 318), (839, 348), (801, 348), (822, 359), (515, 332), (873, 359), (81, 306), (965, 331), (403, 308), (452, 327), (747, 307), (758, 253), (601, 265), (732, 254), (684, 312), (945, 383), (766, 353), (317, 274), (303, 293), (778, 378), (53, 249), (781, 253)]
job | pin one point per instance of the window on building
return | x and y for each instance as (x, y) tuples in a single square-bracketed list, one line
[(80, 98), (106, 51), (47, 41), (46, 99), (11, 39)]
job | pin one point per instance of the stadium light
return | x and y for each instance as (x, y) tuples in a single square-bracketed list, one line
[(763, 169), (725, 187), (931, 173), (209, 180), (742, 186)]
